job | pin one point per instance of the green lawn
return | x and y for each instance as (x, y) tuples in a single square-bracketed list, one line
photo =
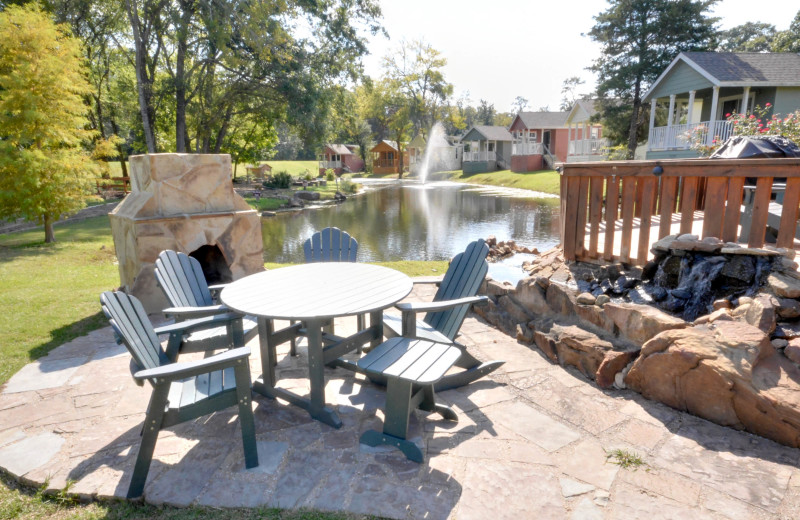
[(545, 181), (294, 168)]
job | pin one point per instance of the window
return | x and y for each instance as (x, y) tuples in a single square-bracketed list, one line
[(532, 136), (390, 156), (595, 132), (490, 145)]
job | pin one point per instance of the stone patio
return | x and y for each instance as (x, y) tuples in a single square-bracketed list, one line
[(531, 441)]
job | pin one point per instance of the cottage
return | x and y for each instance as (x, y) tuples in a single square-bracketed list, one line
[(340, 158), (444, 156), (258, 172), (486, 149), (540, 139), (700, 89), (585, 142), (386, 157)]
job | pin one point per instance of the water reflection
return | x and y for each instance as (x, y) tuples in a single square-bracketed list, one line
[(411, 222)]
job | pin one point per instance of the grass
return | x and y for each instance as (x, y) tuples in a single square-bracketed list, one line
[(545, 181), (265, 203), (626, 459), (293, 168), (49, 292), (17, 501)]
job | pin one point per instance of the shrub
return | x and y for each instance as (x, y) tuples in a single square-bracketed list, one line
[(330, 174), (347, 186), (280, 180)]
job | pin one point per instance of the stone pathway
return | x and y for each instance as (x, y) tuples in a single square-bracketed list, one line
[(531, 442)]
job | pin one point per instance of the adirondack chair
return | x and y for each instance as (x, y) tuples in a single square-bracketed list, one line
[(444, 316), (181, 391), (181, 278), (331, 245)]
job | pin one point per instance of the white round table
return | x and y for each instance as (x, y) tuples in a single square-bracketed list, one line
[(313, 294)]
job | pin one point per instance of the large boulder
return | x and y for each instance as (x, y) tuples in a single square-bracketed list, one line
[(728, 373), (639, 323), (784, 285)]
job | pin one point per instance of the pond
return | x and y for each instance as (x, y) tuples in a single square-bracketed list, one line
[(411, 221)]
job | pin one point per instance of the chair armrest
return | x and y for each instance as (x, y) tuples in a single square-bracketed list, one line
[(439, 306), (218, 286), (182, 370), (436, 280), (217, 320), (194, 312)]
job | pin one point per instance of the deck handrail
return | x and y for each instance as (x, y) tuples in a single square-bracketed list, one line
[(593, 193)]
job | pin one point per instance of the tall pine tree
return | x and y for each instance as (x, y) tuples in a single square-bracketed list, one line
[(639, 39)]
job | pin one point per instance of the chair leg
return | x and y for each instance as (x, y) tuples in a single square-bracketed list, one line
[(244, 398), (293, 343), (361, 325), (152, 425), (467, 376), (395, 426), (429, 404)]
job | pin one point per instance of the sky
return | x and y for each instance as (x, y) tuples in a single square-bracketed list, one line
[(500, 49)]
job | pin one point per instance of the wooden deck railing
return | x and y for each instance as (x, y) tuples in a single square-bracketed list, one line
[(619, 201)]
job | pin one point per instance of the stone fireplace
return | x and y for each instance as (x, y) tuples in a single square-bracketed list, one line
[(183, 202)]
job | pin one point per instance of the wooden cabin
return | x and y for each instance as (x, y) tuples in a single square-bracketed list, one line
[(540, 140), (386, 157), (341, 158)]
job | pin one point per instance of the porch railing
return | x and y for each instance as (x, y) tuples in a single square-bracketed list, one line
[(330, 164), (676, 137), (522, 148), (385, 163), (479, 156), (608, 208), (588, 147)]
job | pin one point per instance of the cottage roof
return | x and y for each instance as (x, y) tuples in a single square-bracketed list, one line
[(417, 142), (739, 69), (543, 119), (490, 133), (583, 110), (339, 149), (384, 144)]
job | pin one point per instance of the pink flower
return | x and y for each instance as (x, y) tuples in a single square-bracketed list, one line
[(728, 114), (768, 105), (752, 116)]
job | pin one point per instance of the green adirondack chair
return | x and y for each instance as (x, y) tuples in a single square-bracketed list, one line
[(181, 278), (182, 391), (331, 245), (444, 316)]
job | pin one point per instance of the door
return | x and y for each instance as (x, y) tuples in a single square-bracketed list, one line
[(546, 138)]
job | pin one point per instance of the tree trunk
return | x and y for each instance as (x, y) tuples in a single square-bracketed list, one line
[(223, 131), (49, 234), (180, 77), (143, 82), (635, 120)]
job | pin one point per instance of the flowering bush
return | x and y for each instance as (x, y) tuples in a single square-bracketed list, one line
[(756, 123)]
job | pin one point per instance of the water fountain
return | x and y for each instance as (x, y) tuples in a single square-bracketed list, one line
[(433, 147)]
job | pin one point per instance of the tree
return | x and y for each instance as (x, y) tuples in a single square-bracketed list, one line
[(416, 69), (748, 37), (44, 171), (519, 104), (569, 91), (485, 113), (639, 38), (788, 40)]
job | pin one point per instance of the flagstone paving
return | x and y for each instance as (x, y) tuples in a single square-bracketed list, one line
[(531, 442)]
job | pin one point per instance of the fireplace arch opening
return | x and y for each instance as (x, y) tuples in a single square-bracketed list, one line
[(215, 267)]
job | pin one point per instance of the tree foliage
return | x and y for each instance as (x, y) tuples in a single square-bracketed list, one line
[(415, 68), (44, 170), (788, 40), (748, 37), (639, 38)]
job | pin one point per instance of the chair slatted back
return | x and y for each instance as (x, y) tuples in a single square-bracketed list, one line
[(330, 245), (462, 279), (130, 322), (182, 280)]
